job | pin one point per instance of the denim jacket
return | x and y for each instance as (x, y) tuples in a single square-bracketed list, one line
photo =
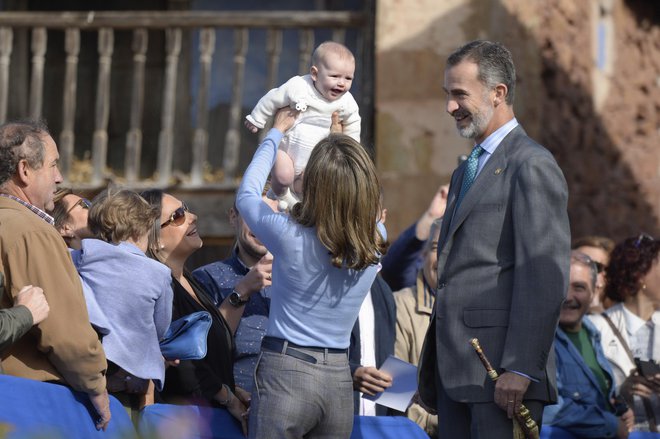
[(581, 406), (219, 279)]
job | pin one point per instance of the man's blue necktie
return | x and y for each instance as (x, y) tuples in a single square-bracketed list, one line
[(471, 166)]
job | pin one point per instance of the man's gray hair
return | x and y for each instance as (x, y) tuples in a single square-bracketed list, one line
[(494, 61), (584, 260), (21, 140)]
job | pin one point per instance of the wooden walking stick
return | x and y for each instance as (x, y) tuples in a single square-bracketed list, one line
[(524, 426)]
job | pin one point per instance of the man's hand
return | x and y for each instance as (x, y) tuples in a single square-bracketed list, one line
[(284, 119), (250, 126), (370, 380), (636, 384), (34, 300), (259, 276), (101, 403), (628, 419), (509, 391), (243, 395), (235, 407), (435, 210)]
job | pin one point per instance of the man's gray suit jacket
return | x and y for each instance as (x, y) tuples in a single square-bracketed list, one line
[(503, 261)]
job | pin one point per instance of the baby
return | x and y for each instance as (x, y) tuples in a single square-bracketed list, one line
[(317, 96), (130, 289)]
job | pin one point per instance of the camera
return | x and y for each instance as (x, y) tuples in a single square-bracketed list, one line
[(647, 368)]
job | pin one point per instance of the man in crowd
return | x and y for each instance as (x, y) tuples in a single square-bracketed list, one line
[(65, 348), (502, 262), (404, 258), (247, 273), (414, 306), (586, 406)]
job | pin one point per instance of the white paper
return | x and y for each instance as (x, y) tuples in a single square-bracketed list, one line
[(404, 384)]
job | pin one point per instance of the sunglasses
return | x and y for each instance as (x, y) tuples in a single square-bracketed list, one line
[(641, 238), (83, 202), (178, 217)]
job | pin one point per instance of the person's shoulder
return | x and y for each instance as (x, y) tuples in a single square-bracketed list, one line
[(157, 268), (590, 325), (523, 146), (299, 81), (21, 225), (216, 269), (348, 100), (404, 296), (15, 217), (596, 320)]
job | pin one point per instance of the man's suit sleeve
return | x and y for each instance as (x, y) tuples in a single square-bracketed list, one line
[(542, 251), (14, 323)]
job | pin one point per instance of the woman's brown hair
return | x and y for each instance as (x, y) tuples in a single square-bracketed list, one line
[(341, 198)]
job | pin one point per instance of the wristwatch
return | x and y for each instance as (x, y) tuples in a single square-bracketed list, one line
[(236, 300)]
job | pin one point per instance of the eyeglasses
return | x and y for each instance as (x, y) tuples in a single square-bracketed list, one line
[(83, 202), (641, 238), (178, 217), (600, 267)]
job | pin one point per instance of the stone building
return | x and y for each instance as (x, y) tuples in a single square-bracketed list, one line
[(588, 89)]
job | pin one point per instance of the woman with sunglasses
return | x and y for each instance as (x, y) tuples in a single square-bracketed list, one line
[(209, 381), (630, 329), (325, 258), (70, 214)]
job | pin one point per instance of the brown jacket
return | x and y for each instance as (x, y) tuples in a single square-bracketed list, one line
[(64, 347), (413, 313)]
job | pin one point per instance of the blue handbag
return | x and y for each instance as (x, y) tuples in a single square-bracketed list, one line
[(186, 337)]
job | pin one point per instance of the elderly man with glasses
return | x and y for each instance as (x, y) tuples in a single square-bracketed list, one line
[(586, 405)]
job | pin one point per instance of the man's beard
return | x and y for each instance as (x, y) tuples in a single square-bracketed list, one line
[(253, 250), (479, 122)]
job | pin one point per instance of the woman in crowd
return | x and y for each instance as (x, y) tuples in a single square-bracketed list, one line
[(326, 256), (629, 329), (70, 215), (208, 381)]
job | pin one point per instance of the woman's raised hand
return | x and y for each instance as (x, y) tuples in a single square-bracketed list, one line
[(285, 118)]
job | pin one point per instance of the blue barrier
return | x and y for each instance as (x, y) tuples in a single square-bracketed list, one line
[(30, 409), (33, 409)]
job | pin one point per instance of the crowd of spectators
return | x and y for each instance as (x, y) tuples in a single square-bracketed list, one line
[(90, 287)]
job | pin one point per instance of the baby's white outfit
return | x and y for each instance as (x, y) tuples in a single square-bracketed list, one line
[(313, 123)]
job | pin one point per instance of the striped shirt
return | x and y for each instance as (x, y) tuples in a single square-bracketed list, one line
[(40, 213)]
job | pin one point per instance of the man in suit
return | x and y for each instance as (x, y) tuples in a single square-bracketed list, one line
[(503, 258)]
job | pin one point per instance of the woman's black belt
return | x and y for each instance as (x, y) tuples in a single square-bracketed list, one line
[(281, 346)]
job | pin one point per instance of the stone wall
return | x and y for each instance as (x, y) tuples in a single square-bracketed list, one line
[(607, 147)]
